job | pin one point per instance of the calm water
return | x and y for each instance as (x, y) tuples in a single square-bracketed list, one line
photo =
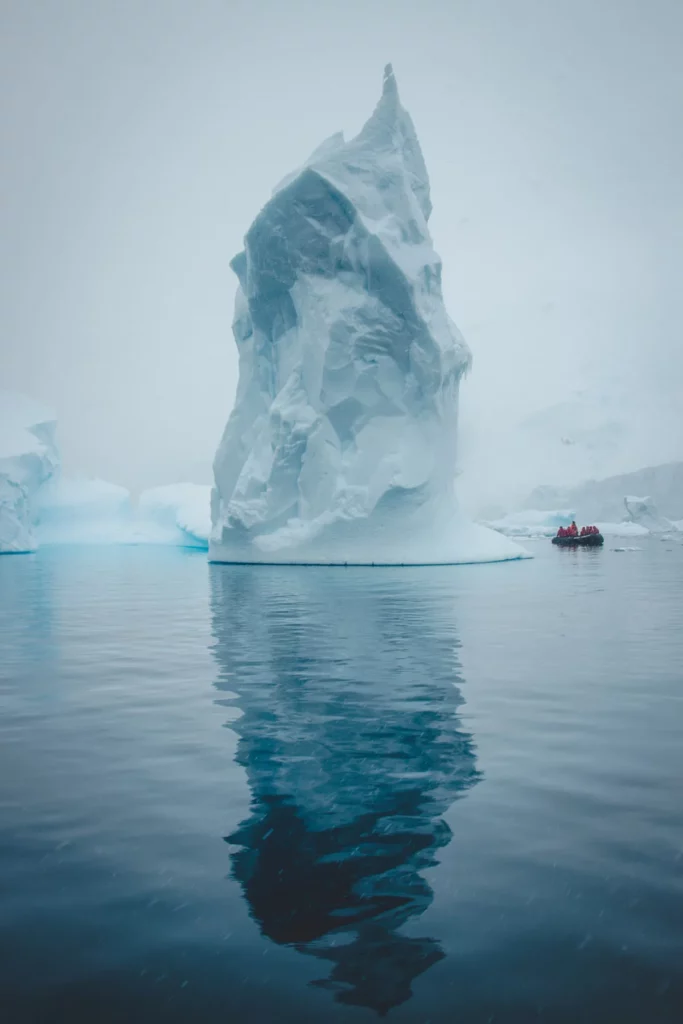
[(277, 794)]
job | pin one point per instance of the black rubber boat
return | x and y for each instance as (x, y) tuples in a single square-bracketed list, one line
[(589, 540)]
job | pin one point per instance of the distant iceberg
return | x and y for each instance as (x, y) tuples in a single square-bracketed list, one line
[(623, 529), (28, 459), (81, 511), (341, 447), (532, 523), (178, 514), (39, 506), (604, 499), (606, 503), (643, 511), (78, 510)]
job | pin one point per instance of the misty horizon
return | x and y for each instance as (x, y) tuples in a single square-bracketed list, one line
[(143, 139)]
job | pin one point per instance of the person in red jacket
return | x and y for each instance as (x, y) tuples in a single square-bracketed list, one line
[(573, 530)]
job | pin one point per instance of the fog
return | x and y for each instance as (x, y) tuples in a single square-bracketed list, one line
[(142, 136)]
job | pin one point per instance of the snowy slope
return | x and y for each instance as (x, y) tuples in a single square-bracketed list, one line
[(604, 499), (597, 433)]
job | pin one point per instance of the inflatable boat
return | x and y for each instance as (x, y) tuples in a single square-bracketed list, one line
[(589, 540)]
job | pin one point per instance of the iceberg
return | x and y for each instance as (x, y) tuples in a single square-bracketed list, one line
[(84, 511), (177, 514), (643, 512), (40, 506), (623, 529), (532, 523), (28, 459), (604, 499), (79, 510), (341, 447)]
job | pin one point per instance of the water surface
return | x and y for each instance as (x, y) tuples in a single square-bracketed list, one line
[(306, 794)]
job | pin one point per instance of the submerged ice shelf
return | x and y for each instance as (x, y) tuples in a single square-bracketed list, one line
[(341, 447)]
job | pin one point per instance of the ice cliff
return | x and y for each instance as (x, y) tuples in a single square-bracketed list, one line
[(643, 511), (28, 458), (342, 443)]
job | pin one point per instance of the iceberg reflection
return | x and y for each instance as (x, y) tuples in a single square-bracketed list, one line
[(348, 685)]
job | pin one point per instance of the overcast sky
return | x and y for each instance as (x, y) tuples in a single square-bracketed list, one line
[(140, 138)]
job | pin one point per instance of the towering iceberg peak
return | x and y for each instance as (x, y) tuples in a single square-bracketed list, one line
[(341, 446), (390, 131), (388, 138)]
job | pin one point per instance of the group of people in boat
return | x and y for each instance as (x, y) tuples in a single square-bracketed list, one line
[(573, 531)]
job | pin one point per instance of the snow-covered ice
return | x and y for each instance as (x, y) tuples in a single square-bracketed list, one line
[(28, 459), (342, 443)]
